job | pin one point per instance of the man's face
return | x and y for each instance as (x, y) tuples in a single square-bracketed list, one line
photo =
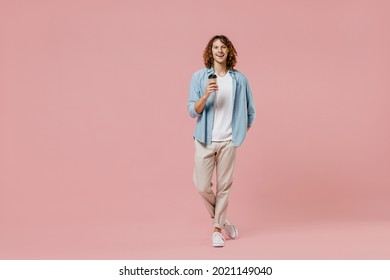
[(220, 52)]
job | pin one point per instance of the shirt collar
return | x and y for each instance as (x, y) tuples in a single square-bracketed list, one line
[(232, 72)]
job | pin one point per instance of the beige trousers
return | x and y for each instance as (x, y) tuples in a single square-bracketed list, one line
[(220, 156)]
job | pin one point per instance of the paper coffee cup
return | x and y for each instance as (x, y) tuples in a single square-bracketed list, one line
[(213, 78)]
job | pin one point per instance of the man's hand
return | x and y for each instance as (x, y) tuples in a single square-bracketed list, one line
[(210, 88)]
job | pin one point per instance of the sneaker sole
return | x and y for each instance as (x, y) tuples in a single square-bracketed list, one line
[(236, 233)]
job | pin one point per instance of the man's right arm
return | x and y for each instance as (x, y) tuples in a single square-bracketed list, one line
[(196, 99), (200, 104), (193, 97)]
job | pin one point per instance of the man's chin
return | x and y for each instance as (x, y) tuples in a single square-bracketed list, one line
[(220, 61)]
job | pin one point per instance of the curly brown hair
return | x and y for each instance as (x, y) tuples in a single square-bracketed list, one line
[(208, 54)]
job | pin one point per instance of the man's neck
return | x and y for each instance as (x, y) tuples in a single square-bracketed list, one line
[(220, 69)]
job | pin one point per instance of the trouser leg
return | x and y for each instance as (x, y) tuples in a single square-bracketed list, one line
[(203, 172), (225, 160), (222, 156)]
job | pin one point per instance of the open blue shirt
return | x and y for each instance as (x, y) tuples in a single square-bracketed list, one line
[(243, 106)]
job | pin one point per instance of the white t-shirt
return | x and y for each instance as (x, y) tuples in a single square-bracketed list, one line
[(223, 109)]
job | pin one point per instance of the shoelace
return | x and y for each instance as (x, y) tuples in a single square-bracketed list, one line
[(219, 235)]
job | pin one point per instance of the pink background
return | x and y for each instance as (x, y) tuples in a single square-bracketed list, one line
[(96, 150)]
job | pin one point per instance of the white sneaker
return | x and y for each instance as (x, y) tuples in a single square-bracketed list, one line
[(231, 231), (218, 239)]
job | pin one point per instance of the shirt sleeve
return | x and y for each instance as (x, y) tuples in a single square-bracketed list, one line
[(193, 96), (250, 104)]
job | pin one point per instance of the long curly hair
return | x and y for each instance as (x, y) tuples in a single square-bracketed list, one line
[(208, 54)]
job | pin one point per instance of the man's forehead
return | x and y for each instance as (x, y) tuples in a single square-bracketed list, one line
[(218, 42)]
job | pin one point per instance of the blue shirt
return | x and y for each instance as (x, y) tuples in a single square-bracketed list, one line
[(243, 106)]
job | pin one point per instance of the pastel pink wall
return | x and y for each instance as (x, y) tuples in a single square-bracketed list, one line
[(94, 130)]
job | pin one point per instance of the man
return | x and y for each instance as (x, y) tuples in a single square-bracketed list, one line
[(225, 111)]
